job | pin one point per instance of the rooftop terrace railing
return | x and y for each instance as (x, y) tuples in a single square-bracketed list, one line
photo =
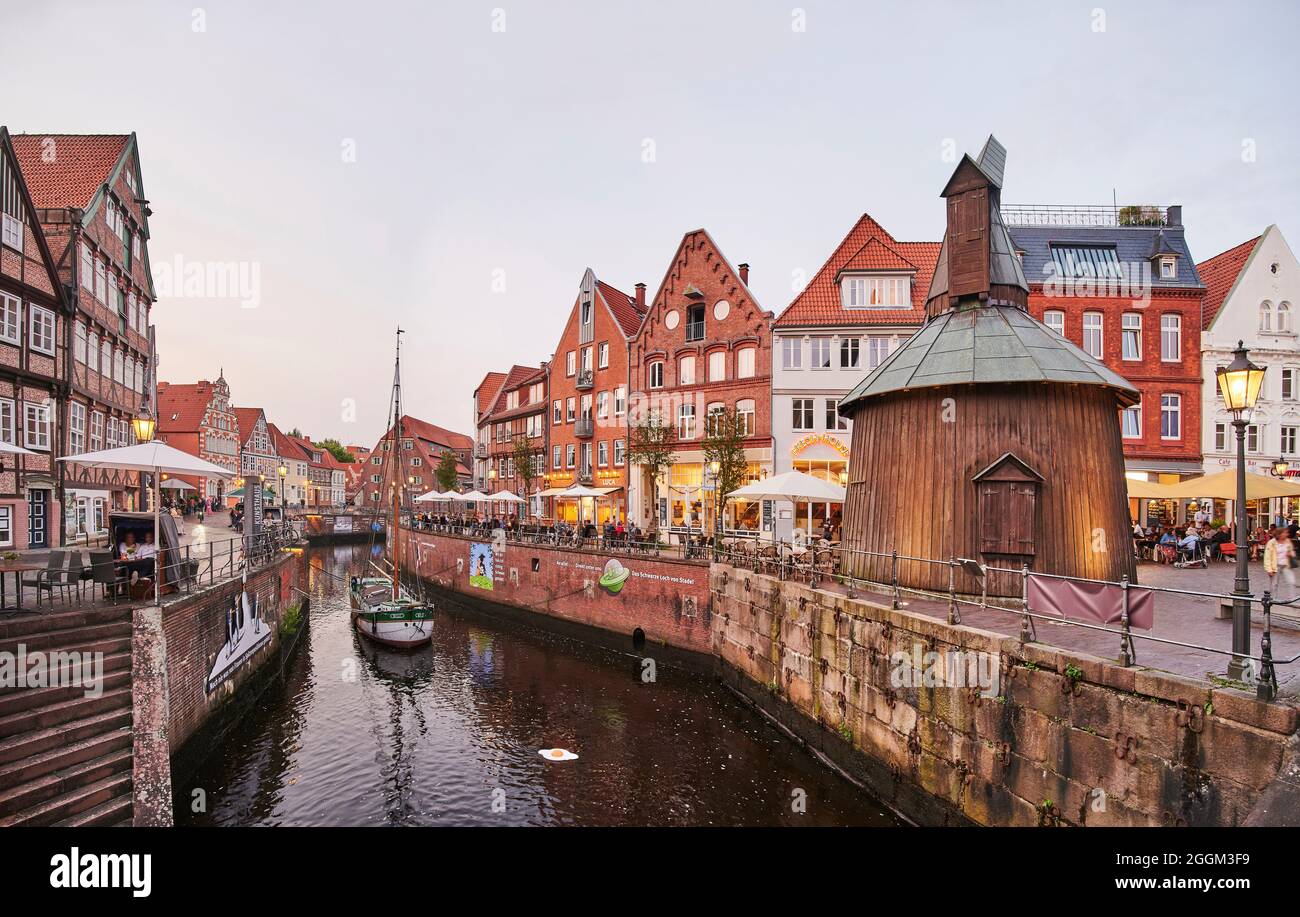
[(1084, 215)]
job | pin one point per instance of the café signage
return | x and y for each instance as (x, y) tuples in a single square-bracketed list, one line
[(824, 439)]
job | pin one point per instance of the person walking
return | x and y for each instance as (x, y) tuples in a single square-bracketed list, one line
[(1279, 561)]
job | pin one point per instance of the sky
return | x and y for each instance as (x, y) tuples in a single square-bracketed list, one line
[(454, 167)]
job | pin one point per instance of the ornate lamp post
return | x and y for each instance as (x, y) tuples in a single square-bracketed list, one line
[(283, 471), (1239, 383)]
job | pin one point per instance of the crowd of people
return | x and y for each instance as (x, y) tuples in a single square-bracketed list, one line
[(1201, 541), (612, 532)]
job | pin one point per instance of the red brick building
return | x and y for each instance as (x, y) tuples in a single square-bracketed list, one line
[(197, 418), (519, 410), (589, 381), (1121, 284), (33, 357), (422, 448), (704, 345), (89, 196)]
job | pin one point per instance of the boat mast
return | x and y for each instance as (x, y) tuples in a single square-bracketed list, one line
[(394, 539)]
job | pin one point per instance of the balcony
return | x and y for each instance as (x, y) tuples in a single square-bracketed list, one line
[(1087, 215), (586, 379), (583, 477), (585, 428)]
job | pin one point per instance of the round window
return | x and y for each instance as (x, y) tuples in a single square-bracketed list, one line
[(671, 319), (721, 309)]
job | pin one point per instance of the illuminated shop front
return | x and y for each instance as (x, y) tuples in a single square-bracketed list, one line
[(826, 457), (688, 504)]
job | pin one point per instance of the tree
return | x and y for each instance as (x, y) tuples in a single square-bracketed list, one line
[(522, 456), (724, 454), (296, 433), (446, 472), (336, 449), (650, 445)]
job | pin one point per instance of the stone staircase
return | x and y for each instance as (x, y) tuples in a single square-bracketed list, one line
[(65, 758)]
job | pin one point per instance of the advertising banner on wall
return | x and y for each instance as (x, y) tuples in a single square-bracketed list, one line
[(481, 564)]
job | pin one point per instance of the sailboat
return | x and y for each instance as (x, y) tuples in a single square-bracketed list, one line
[(382, 610)]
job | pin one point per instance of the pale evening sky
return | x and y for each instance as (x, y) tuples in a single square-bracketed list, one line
[(506, 140)]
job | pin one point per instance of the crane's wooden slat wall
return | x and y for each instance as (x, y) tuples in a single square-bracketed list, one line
[(914, 456)]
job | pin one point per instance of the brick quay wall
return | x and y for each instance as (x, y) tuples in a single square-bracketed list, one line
[(1060, 738), (198, 668), (667, 600)]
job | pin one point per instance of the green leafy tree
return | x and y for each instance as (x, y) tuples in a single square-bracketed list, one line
[(724, 453), (650, 445), (336, 449), (446, 472), (522, 455)]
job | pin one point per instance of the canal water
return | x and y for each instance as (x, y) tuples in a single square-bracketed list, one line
[(450, 735)]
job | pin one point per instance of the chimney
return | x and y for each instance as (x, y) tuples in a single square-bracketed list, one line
[(1174, 215), (640, 296), (744, 274)]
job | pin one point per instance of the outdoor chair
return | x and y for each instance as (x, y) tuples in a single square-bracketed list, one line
[(106, 573), (43, 580), (825, 562)]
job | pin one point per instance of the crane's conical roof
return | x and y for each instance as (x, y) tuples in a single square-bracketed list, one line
[(990, 344)]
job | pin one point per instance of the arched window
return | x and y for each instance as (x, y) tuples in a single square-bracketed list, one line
[(1266, 316), (1284, 317)]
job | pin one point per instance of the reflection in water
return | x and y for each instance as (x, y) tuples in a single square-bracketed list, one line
[(449, 735)]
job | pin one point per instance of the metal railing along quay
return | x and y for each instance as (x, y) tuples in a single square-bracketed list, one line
[(816, 562), (190, 568)]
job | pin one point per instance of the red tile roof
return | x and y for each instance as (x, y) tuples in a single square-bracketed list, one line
[(181, 407), (487, 390), (433, 433), (518, 375), (246, 421), (623, 308), (1219, 274), (79, 165), (867, 247)]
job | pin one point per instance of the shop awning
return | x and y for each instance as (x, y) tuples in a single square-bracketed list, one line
[(606, 491), (551, 492), (1223, 486)]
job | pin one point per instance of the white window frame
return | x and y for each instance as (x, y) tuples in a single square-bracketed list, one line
[(41, 329), (802, 417), (9, 421), (746, 362), (1171, 327), (36, 426), (792, 353), (1094, 323), (11, 319), (11, 231), (655, 374), (1134, 411), (1131, 330), (1171, 405), (1055, 319)]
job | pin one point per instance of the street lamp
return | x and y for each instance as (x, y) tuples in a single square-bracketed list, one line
[(283, 471), (1239, 383), (1280, 467), (714, 468), (143, 423)]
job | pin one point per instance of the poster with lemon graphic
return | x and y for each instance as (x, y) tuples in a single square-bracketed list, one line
[(614, 577)]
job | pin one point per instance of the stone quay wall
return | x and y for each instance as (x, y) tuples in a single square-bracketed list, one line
[(1061, 739)]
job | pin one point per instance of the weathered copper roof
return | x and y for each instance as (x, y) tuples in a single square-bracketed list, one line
[(990, 344)]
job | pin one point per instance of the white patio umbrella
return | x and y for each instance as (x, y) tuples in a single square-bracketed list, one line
[(14, 450), (793, 486), (430, 497), (473, 496), (177, 484), (505, 496), (157, 458)]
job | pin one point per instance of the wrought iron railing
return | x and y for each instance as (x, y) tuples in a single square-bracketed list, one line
[(816, 562), (1084, 215)]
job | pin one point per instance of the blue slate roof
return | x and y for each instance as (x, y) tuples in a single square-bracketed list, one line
[(1133, 245)]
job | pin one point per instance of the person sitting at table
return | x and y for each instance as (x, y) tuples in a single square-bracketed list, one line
[(1218, 540), (137, 558)]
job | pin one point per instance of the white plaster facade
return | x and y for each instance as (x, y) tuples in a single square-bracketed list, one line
[(1259, 310)]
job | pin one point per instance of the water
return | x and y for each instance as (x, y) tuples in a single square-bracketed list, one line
[(450, 734)]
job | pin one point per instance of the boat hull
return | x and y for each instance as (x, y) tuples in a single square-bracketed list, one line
[(402, 623)]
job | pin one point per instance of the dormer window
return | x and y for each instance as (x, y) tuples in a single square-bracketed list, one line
[(873, 292), (1168, 267)]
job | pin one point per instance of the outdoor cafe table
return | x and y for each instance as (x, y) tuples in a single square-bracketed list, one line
[(17, 568)]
